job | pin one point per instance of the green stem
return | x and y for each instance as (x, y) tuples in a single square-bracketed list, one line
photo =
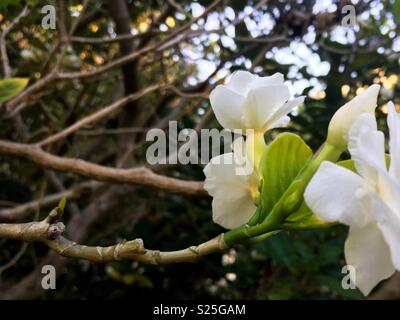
[(327, 153), (293, 199), (288, 203), (260, 238), (246, 231)]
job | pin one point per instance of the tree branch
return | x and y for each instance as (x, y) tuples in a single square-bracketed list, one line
[(3, 46), (118, 38), (49, 230), (139, 175), (96, 116), (23, 210), (13, 106)]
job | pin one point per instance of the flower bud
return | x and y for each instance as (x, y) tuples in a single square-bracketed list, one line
[(343, 119)]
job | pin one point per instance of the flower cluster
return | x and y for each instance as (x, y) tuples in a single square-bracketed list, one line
[(247, 101), (367, 200), (363, 193)]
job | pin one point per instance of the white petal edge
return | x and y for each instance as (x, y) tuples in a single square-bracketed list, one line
[(345, 116), (232, 202), (261, 104), (281, 122), (367, 147), (389, 224), (394, 130), (273, 121), (240, 81), (366, 250), (227, 106), (233, 212), (220, 174), (337, 194), (275, 79)]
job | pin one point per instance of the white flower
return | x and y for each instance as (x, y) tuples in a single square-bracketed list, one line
[(233, 184), (248, 101), (369, 202), (344, 118)]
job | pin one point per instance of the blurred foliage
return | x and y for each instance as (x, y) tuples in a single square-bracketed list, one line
[(299, 265)]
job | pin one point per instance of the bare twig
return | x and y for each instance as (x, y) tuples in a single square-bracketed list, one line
[(15, 259), (100, 132), (13, 106), (96, 116), (139, 175), (49, 230), (3, 46), (107, 40), (23, 210)]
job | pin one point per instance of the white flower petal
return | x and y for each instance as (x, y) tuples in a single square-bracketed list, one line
[(227, 106), (245, 152), (240, 81), (394, 129), (232, 193), (281, 122), (366, 250), (367, 148), (344, 118), (282, 112), (234, 211), (220, 172), (365, 122), (239, 150), (389, 190), (337, 194), (276, 78), (389, 224), (262, 103)]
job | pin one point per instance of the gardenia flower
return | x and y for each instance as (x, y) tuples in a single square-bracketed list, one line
[(233, 184), (344, 118), (368, 202), (248, 101)]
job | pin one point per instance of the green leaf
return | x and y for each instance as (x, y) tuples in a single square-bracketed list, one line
[(9, 88), (304, 218), (280, 164), (62, 203), (348, 164)]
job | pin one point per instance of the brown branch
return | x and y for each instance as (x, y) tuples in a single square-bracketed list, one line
[(15, 259), (188, 94), (13, 106), (107, 200), (118, 38), (139, 175), (49, 230), (96, 116), (116, 131), (23, 210), (3, 45)]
